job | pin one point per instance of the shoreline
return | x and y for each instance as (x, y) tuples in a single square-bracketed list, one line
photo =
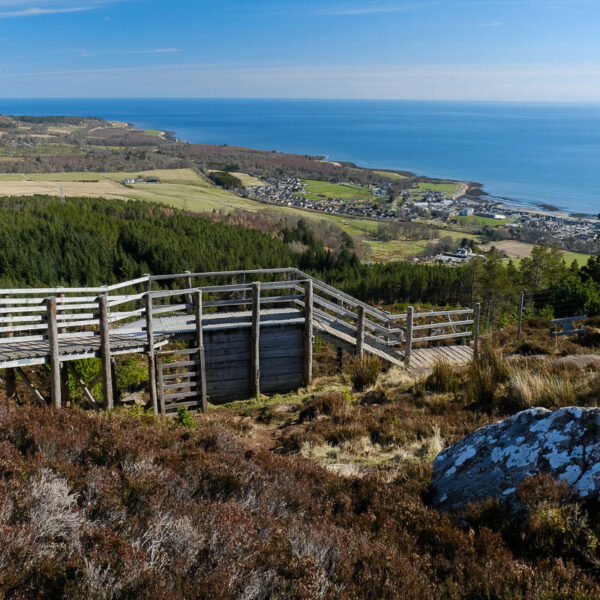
[(470, 190)]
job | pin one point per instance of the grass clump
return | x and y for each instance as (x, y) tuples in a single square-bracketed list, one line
[(443, 379), (364, 371)]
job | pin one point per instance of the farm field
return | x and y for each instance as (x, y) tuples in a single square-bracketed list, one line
[(318, 190), (390, 175), (519, 250), (478, 222), (448, 188), (384, 252)]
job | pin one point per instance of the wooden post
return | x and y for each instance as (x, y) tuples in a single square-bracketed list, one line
[(189, 297), (431, 322), (476, 332), (64, 385), (11, 384), (55, 387), (360, 332), (151, 353), (203, 400), (113, 371), (161, 384), (36, 393), (244, 295), (520, 324), (149, 282), (340, 359), (255, 341), (107, 382), (308, 332), (409, 335)]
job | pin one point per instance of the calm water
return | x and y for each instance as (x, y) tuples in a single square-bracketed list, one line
[(524, 152)]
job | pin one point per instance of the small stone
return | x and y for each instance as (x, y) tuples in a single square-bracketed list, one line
[(136, 398), (492, 461)]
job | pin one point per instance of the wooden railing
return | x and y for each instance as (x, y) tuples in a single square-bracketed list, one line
[(61, 314)]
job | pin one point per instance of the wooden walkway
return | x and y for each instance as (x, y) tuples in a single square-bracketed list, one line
[(427, 358), (57, 325)]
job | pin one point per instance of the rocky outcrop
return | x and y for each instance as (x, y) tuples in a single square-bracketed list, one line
[(492, 461)]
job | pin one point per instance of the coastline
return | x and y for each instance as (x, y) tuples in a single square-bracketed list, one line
[(471, 190)]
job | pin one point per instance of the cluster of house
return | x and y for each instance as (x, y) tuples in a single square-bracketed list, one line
[(288, 192), (432, 206), (131, 180)]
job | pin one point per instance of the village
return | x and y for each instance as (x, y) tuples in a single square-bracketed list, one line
[(436, 208)]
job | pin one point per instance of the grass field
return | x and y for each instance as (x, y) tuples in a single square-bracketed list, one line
[(478, 222), (318, 190), (390, 175), (448, 188), (393, 250), (516, 251)]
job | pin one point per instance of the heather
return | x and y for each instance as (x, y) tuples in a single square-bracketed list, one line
[(320, 494)]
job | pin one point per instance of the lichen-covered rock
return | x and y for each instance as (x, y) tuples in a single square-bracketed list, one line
[(492, 461)]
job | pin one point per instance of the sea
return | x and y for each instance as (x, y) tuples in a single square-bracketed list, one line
[(537, 155)]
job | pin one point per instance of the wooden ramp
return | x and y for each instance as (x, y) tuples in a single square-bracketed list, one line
[(426, 358), (338, 334)]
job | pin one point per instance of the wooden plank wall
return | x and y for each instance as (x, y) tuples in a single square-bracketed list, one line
[(228, 374)]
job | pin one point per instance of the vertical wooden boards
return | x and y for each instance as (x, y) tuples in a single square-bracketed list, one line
[(54, 359), (360, 332), (161, 385), (151, 353), (410, 311), (476, 332), (308, 333), (107, 382), (255, 341), (201, 379)]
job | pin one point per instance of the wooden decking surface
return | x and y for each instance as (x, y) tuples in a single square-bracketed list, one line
[(426, 358)]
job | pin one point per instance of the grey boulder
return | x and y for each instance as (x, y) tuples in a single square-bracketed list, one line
[(492, 461)]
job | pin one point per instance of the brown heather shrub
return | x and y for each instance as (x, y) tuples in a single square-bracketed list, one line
[(363, 371), (112, 506)]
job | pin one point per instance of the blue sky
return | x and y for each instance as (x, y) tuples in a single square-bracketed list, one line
[(522, 50)]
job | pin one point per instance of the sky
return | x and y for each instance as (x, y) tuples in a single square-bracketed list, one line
[(498, 50)]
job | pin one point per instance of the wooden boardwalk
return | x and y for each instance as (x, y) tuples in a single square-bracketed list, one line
[(243, 337), (427, 358)]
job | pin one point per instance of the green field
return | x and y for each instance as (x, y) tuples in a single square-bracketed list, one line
[(448, 188), (319, 190), (478, 222), (390, 175)]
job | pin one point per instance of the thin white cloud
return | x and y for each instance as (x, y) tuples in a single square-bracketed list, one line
[(132, 52), (372, 8), (36, 12), (12, 9)]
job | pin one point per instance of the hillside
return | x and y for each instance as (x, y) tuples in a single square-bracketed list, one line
[(324, 494)]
